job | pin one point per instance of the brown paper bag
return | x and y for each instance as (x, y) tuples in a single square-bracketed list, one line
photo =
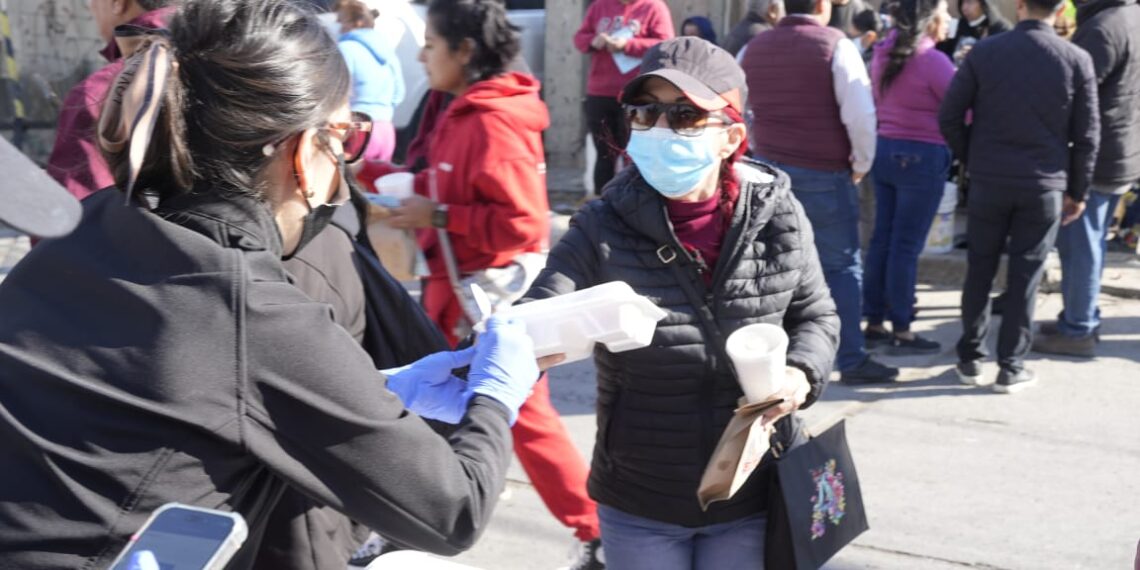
[(397, 249), (741, 447)]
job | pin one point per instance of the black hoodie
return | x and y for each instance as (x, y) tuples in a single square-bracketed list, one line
[(152, 357)]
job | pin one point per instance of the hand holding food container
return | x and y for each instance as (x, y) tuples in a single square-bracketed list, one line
[(610, 314)]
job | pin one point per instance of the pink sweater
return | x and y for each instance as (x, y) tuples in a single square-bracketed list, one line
[(650, 22), (908, 110)]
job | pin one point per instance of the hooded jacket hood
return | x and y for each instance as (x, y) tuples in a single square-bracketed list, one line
[(514, 94)]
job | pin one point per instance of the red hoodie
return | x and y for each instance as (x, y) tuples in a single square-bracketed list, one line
[(75, 161), (490, 170), (649, 20)]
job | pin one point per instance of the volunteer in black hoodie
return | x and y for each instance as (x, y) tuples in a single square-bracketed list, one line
[(160, 353)]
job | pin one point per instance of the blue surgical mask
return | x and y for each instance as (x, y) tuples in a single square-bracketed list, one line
[(674, 165)]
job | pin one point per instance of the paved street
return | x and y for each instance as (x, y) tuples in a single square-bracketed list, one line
[(953, 476)]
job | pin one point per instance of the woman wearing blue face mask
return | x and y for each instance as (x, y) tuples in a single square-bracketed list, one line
[(719, 243)]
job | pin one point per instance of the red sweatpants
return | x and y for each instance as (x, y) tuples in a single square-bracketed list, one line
[(551, 461)]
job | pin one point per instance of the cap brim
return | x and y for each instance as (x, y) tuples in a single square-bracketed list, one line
[(30, 200), (699, 93)]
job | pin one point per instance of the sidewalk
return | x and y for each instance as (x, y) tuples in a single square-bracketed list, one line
[(953, 476)]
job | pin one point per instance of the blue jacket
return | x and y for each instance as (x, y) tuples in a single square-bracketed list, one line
[(377, 81), (1035, 125)]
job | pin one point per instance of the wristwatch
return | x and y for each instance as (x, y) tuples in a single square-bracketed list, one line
[(439, 217)]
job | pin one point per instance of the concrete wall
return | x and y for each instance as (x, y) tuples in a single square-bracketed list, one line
[(56, 45), (565, 83)]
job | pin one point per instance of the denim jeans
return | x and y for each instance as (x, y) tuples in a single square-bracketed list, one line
[(910, 178), (1082, 247), (634, 543), (831, 202)]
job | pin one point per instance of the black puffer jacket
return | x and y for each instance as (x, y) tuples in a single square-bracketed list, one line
[(661, 409), (1110, 31)]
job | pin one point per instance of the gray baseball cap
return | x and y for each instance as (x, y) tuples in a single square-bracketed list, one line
[(30, 200), (705, 73)]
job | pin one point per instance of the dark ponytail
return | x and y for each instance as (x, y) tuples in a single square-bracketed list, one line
[(911, 18), (246, 74), (484, 22)]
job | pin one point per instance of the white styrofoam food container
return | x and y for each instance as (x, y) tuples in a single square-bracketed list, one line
[(571, 324)]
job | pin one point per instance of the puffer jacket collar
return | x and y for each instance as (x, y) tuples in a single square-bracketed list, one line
[(643, 208)]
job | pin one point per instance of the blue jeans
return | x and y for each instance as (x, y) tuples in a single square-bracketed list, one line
[(831, 202), (635, 543), (1082, 247), (909, 178)]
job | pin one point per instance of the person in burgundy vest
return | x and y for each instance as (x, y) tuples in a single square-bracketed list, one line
[(814, 118), (75, 161)]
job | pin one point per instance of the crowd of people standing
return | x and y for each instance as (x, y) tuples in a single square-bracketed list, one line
[(244, 316)]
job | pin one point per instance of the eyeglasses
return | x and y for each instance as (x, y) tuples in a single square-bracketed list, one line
[(685, 120), (357, 135)]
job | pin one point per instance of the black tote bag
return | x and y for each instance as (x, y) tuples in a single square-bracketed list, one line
[(815, 506)]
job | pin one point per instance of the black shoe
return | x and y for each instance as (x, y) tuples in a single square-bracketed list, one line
[(916, 345), (873, 339), (1057, 343), (588, 556), (1013, 382), (969, 372), (870, 371), (1054, 328)]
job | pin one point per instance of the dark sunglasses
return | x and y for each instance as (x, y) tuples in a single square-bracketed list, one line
[(357, 135), (685, 119)]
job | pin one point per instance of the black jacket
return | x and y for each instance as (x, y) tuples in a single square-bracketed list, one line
[(1110, 31), (661, 409), (1032, 95), (157, 357)]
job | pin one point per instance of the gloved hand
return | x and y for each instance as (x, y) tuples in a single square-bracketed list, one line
[(428, 388), (504, 367)]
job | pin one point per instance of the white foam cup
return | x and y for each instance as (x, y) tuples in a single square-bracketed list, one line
[(398, 185), (759, 353)]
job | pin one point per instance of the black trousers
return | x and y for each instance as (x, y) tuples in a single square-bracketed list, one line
[(606, 121), (1028, 222)]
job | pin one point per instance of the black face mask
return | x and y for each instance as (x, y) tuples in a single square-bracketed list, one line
[(320, 217)]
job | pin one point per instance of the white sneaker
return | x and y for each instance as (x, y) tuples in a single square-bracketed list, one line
[(587, 556)]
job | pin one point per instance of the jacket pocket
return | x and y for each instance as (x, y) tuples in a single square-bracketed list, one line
[(608, 426)]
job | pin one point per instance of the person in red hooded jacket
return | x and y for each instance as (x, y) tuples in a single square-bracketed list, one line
[(485, 184)]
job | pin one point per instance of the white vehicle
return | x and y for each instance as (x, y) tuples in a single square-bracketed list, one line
[(404, 21)]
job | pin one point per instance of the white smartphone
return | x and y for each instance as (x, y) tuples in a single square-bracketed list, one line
[(182, 537)]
